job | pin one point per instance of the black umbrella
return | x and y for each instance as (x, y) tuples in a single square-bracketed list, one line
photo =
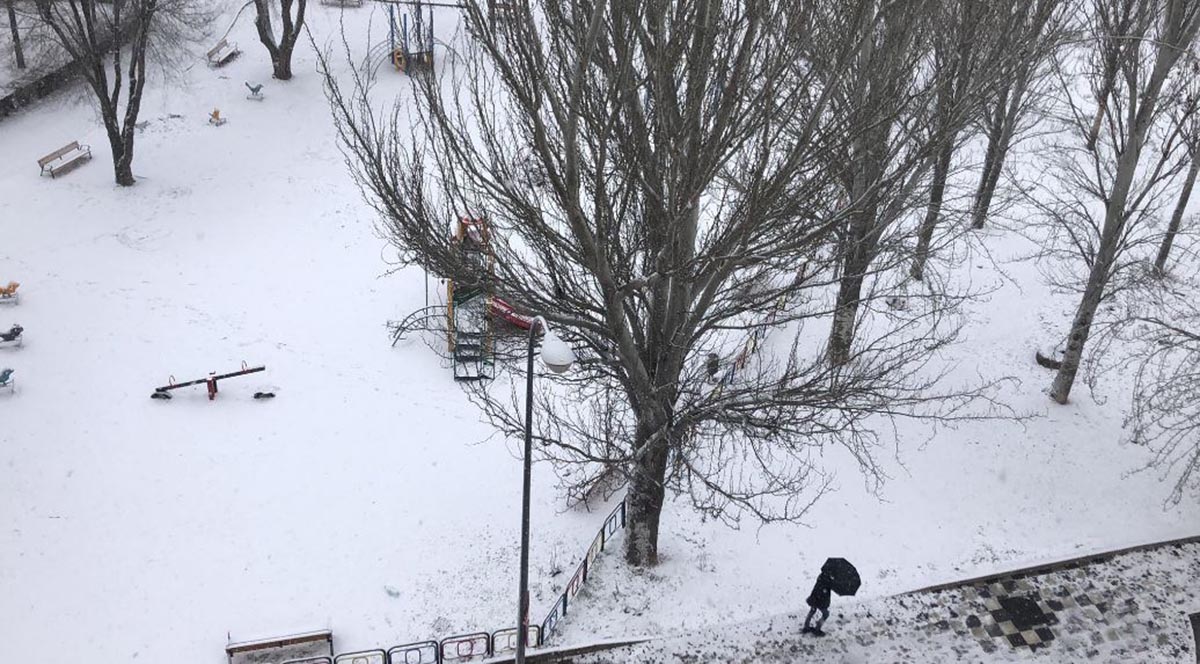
[(841, 575)]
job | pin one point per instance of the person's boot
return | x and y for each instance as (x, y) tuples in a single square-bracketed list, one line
[(806, 630), (817, 632)]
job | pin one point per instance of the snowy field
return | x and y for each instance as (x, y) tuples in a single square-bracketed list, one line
[(367, 497)]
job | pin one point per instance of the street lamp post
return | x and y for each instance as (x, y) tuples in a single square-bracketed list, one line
[(558, 357)]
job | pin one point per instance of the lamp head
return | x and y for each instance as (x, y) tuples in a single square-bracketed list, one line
[(556, 354)]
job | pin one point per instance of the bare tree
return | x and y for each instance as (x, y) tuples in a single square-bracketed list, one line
[(1156, 343), (882, 101), (1186, 116), (1116, 26), (969, 52), (290, 27), (1107, 173), (680, 211), (18, 52), (110, 43), (1040, 30)]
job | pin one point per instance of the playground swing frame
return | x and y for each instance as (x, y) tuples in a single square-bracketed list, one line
[(411, 49)]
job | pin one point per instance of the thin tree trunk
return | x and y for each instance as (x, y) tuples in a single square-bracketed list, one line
[(1164, 251), (993, 161), (1106, 89), (1102, 108), (937, 192), (1114, 224), (1007, 129), (16, 35)]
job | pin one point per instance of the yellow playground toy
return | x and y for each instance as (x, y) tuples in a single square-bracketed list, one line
[(8, 294)]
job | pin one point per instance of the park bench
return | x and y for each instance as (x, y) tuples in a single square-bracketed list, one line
[(9, 294), (65, 159), (222, 53), (296, 646)]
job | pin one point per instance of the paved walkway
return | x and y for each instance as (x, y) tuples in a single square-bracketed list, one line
[(1135, 606)]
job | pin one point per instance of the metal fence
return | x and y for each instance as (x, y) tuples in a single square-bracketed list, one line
[(477, 645), (614, 523)]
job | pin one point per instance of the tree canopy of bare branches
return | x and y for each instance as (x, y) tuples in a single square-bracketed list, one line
[(682, 219), (1155, 343), (1040, 29), (970, 54), (1105, 191), (1185, 115)]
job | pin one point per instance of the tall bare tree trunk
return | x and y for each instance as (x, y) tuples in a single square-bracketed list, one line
[(993, 161), (16, 34), (1038, 38), (1164, 251), (1000, 137), (1115, 213), (937, 192)]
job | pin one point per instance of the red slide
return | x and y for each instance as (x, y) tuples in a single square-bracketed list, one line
[(504, 310)]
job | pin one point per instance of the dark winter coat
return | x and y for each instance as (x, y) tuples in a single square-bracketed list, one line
[(819, 597)]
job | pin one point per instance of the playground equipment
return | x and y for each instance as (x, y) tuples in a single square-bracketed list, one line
[(425, 318), (255, 91), (215, 118), (411, 40), (469, 328), (210, 382), (7, 381), (470, 312), (12, 337), (9, 294)]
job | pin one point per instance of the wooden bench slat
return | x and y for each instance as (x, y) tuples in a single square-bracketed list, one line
[(279, 642), (73, 145), (69, 166)]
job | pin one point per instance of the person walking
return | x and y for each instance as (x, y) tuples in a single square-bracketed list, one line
[(818, 600)]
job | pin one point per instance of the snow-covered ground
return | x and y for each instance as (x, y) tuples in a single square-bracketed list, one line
[(365, 497), (1131, 608)]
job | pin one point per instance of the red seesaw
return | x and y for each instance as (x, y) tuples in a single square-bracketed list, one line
[(210, 382)]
